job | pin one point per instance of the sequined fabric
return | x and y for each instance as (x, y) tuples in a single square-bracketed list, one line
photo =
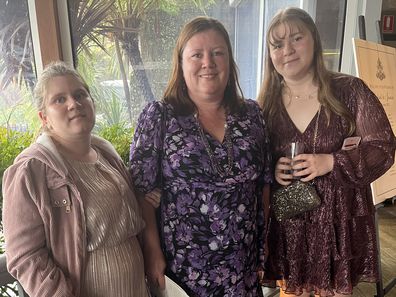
[(114, 265), (294, 199), (333, 247)]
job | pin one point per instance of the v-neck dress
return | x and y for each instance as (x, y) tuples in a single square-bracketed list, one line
[(333, 247), (211, 226)]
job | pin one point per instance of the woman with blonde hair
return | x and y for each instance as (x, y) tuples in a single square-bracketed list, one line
[(70, 215), (330, 249)]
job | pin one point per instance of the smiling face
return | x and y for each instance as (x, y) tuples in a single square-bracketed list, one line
[(291, 49), (69, 111), (205, 65)]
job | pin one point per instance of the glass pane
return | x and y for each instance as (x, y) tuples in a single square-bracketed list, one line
[(18, 116), (247, 47), (128, 61), (272, 7), (17, 69), (330, 19)]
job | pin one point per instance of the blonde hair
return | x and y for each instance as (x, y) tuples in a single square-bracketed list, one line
[(53, 69), (271, 89), (176, 90)]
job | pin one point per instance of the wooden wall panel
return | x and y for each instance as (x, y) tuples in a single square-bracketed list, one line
[(48, 29)]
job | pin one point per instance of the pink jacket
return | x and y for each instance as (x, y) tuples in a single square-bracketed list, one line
[(44, 221)]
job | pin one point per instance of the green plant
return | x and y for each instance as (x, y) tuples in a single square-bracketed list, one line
[(11, 144), (121, 137), (111, 111)]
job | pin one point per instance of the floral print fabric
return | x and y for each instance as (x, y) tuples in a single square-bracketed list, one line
[(211, 226)]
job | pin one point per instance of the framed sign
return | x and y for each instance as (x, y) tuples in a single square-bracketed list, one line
[(376, 65)]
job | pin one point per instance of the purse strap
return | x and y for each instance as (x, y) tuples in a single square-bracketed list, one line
[(316, 129)]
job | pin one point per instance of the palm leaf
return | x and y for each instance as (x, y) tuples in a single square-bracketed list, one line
[(86, 19)]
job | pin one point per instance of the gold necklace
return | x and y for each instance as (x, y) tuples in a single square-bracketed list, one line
[(308, 96), (287, 93)]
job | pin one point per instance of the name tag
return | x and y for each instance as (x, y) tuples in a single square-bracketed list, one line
[(351, 143)]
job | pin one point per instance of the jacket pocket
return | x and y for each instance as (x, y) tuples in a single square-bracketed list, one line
[(60, 197)]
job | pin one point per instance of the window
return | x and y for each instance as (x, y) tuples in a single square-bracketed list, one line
[(330, 20), (247, 46), (17, 69), (17, 78), (126, 55), (329, 17)]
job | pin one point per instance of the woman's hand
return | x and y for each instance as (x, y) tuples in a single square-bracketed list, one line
[(154, 197), (283, 171), (309, 166), (154, 263), (154, 260)]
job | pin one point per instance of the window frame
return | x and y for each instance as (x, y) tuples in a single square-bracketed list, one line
[(44, 24)]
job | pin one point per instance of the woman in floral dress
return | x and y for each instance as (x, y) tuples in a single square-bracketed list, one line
[(206, 148)]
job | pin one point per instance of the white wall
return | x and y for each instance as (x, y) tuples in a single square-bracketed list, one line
[(64, 29)]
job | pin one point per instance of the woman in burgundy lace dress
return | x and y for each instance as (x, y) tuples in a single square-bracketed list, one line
[(330, 249)]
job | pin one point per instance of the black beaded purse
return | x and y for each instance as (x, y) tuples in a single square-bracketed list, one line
[(298, 197)]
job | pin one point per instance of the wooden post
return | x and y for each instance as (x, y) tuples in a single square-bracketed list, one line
[(48, 31)]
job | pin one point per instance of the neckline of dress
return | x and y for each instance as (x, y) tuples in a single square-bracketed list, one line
[(74, 161), (294, 125)]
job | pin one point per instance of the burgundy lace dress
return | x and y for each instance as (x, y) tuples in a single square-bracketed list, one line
[(333, 247)]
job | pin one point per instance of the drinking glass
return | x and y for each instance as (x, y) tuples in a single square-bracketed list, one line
[(294, 149)]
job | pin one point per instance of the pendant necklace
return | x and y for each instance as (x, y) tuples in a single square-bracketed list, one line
[(302, 97), (217, 168), (308, 96)]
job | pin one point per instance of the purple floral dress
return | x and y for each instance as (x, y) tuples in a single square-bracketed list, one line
[(211, 227)]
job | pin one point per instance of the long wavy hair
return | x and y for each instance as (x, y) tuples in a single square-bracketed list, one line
[(271, 89), (176, 91)]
